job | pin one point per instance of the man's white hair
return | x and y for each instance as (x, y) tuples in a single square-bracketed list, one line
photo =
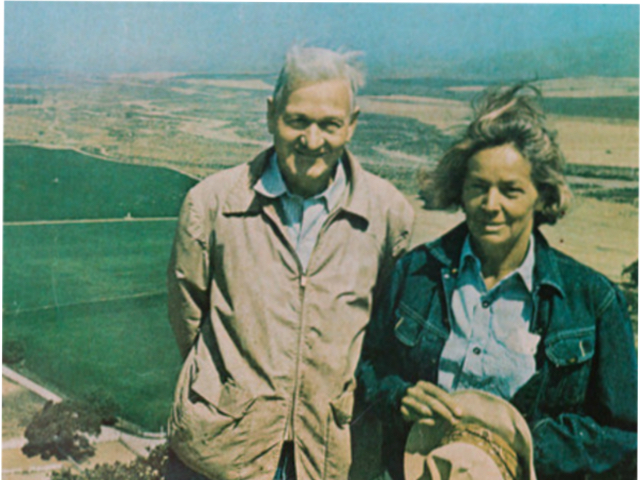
[(305, 65)]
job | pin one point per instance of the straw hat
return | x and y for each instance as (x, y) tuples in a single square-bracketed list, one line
[(490, 442)]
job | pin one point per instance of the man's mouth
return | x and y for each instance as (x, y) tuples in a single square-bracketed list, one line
[(308, 154)]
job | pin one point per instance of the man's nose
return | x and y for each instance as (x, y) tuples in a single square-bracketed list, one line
[(313, 138)]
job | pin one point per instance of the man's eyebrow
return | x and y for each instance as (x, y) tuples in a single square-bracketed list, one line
[(332, 118)]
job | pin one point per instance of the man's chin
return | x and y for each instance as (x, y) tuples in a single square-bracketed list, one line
[(309, 160)]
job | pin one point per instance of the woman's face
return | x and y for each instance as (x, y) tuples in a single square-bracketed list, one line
[(499, 199)]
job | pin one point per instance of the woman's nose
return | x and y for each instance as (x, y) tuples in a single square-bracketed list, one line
[(491, 200)]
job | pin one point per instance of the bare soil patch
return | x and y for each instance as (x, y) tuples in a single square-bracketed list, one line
[(18, 407), (590, 141), (583, 87), (244, 84), (444, 114)]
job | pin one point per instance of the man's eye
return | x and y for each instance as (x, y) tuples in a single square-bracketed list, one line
[(331, 126), (297, 123)]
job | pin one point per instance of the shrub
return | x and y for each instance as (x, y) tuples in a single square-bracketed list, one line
[(103, 404), (13, 351), (58, 431), (632, 272), (151, 468)]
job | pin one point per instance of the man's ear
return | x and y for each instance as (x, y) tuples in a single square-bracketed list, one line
[(353, 122), (272, 115)]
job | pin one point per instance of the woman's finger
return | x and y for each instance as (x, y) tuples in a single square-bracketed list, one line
[(425, 400), (416, 407), (444, 399)]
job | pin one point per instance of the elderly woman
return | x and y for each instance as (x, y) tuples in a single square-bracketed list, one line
[(491, 306)]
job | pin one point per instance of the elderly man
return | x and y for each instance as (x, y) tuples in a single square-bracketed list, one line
[(273, 275)]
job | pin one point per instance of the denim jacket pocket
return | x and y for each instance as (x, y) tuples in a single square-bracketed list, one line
[(408, 326), (569, 353), (571, 347), (423, 338)]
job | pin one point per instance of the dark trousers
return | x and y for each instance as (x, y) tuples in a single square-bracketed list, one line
[(176, 470)]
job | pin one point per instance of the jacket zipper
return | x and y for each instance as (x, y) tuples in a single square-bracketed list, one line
[(302, 282)]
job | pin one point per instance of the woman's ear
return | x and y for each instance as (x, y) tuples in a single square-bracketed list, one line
[(540, 204)]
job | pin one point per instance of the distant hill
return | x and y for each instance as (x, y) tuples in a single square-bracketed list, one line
[(606, 56)]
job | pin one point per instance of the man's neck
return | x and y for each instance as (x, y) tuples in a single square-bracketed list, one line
[(310, 188)]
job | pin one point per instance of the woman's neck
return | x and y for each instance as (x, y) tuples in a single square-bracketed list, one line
[(499, 262)]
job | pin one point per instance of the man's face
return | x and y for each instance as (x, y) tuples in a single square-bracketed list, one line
[(310, 130)]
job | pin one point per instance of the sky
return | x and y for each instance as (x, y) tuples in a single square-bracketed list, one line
[(122, 37)]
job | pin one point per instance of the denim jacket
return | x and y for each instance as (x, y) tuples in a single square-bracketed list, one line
[(581, 404)]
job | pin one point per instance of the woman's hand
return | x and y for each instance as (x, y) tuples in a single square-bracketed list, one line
[(426, 403)]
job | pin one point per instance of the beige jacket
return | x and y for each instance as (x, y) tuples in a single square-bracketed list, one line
[(271, 351)]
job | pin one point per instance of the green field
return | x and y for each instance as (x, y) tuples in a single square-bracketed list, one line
[(601, 107), (88, 300), (89, 303), (44, 184)]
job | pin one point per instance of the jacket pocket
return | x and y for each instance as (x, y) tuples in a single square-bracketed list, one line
[(569, 355), (571, 347), (338, 433), (409, 324), (342, 406), (228, 398), (423, 340), (205, 407)]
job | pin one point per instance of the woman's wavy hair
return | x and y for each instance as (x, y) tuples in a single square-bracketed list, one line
[(511, 116)]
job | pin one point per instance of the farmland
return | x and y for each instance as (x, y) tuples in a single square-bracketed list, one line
[(84, 267), (95, 169)]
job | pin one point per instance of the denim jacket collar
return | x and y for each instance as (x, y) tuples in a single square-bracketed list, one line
[(447, 249)]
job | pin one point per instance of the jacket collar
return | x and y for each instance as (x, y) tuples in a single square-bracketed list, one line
[(447, 250), (243, 199), (546, 269)]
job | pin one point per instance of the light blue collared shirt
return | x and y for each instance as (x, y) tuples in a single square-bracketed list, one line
[(302, 217), (490, 347)]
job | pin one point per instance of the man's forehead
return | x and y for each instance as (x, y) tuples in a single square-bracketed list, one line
[(333, 94)]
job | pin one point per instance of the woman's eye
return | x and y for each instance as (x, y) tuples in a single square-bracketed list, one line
[(475, 188), (513, 192)]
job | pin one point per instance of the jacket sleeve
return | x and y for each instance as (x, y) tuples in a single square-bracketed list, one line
[(188, 275), (399, 229), (380, 385), (598, 438)]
